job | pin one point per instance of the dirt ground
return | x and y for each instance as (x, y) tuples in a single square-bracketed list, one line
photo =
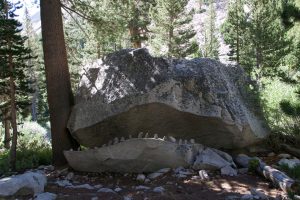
[(217, 188)]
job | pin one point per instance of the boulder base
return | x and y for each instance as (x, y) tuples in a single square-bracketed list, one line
[(130, 92)]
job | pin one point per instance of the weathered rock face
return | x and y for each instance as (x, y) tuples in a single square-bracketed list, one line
[(130, 92)]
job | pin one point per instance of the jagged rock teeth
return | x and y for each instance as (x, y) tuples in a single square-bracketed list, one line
[(185, 142), (164, 138), (172, 139), (147, 135), (122, 139), (116, 140), (155, 136), (180, 141), (140, 135), (192, 141)]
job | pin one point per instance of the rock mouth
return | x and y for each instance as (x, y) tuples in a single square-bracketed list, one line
[(149, 154), (163, 119)]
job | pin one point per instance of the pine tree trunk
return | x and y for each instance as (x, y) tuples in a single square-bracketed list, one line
[(6, 130), (12, 95), (34, 103), (170, 38), (237, 36), (134, 34), (134, 29), (60, 97), (13, 120)]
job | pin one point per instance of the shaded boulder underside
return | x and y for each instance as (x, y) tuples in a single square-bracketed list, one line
[(157, 118)]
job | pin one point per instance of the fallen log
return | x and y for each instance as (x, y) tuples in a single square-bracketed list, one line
[(291, 150), (279, 178)]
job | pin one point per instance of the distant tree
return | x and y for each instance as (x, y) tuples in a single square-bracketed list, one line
[(233, 29), (116, 16), (266, 42), (172, 29), (14, 56), (60, 97), (210, 48), (257, 38)]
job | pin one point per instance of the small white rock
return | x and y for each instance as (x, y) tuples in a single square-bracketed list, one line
[(46, 196), (63, 183), (259, 193), (140, 135), (127, 198), (203, 175), (228, 171), (84, 186), (271, 154), (141, 177), (172, 139), (70, 176), (291, 163), (106, 190), (284, 155), (49, 168), (242, 170), (154, 175), (142, 187), (159, 189), (247, 197), (147, 180), (118, 189), (181, 176), (164, 170), (98, 186)]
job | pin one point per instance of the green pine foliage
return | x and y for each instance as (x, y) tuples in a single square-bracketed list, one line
[(36, 75), (13, 44), (233, 30), (266, 37), (256, 37), (173, 35), (210, 48)]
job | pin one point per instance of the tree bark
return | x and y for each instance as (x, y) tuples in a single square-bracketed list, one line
[(60, 97), (13, 120), (6, 130), (12, 95), (134, 35)]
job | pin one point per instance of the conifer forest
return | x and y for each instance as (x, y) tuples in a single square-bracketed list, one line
[(150, 99)]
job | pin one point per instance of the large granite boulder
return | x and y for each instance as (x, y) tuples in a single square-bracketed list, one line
[(130, 91)]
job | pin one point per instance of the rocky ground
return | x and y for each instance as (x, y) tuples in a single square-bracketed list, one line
[(178, 184), (167, 186)]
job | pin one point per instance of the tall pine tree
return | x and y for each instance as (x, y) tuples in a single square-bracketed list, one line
[(173, 34), (210, 47), (14, 56), (233, 30), (266, 38)]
